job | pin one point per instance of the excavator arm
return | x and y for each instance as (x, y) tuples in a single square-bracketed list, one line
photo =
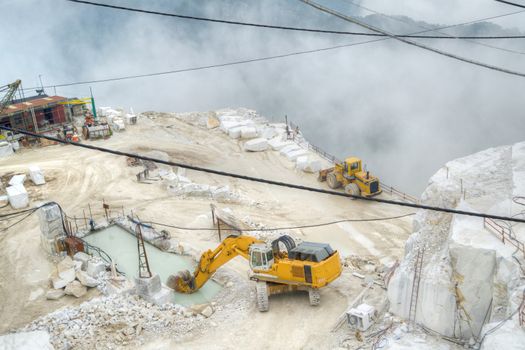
[(209, 262)]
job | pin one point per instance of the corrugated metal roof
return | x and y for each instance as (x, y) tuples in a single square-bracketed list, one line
[(36, 103)]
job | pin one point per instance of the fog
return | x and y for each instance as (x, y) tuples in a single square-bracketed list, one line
[(404, 110)]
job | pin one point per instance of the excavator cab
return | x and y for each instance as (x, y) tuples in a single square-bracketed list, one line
[(261, 257)]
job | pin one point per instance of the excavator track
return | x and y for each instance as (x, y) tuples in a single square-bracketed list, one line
[(261, 291)]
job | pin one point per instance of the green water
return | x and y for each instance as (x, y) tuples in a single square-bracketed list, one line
[(122, 248)]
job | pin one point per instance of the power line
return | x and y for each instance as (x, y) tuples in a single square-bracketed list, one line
[(511, 3), (264, 181), (283, 228), (19, 221), (410, 42), (16, 213), (259, 59), (300, 29), (437, 31)]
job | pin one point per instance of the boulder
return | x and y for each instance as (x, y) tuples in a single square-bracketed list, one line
[(17, 180), (18, 197), (248, 132), (94, 267), (6, 149), (301, 162), (212, 122), (222, 192), (197, 190), (235, 132), (278, 144), (55, 294), (207, 312), (83, 258), (66, 269), (313, 166), (308, 165), (59, 283), (86, 279), (291, 147), (256, 145), (268, 133), (37, 175), (293, 155), (76, 289)]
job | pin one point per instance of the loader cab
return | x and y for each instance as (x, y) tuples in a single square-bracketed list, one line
[(261, 257), (352, 166)]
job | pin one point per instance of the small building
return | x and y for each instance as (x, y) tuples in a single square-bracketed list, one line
[(37, 114)]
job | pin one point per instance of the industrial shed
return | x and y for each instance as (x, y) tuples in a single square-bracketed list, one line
[(38, 114)]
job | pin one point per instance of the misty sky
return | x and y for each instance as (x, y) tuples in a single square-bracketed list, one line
[(404, 110)]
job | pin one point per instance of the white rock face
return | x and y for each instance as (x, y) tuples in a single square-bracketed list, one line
[(256, 145), (468, 273)]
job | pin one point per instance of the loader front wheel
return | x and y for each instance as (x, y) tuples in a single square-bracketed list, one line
[(261, 292), (331, 179), (352, 189), (315, 297)]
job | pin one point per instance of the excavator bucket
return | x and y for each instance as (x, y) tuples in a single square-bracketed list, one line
[(182, 282)]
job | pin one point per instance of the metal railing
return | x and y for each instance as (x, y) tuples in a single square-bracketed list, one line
[(323, 154), (406, 197), (504, 234)]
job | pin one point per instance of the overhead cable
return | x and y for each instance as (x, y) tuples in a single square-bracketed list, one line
[(511, 3), (285, 227), (450, 36), (410, 42), (269, 26), (253, 60), (264, 181)]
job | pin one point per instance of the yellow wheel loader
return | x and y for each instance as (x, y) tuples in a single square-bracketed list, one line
[(305, 267), (350, 175)]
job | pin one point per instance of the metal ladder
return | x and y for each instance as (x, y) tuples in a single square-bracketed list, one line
[(415, 287), (144, 271)]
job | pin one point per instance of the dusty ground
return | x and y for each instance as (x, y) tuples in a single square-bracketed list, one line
[(78, 177)]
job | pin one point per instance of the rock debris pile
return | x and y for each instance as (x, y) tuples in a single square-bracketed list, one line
[(113, 321), (74, 276)]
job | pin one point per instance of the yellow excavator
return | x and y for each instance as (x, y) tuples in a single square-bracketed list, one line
[(351, 176), (304, 267)]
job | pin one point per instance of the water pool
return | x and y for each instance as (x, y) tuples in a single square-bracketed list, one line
[(122, 248)]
